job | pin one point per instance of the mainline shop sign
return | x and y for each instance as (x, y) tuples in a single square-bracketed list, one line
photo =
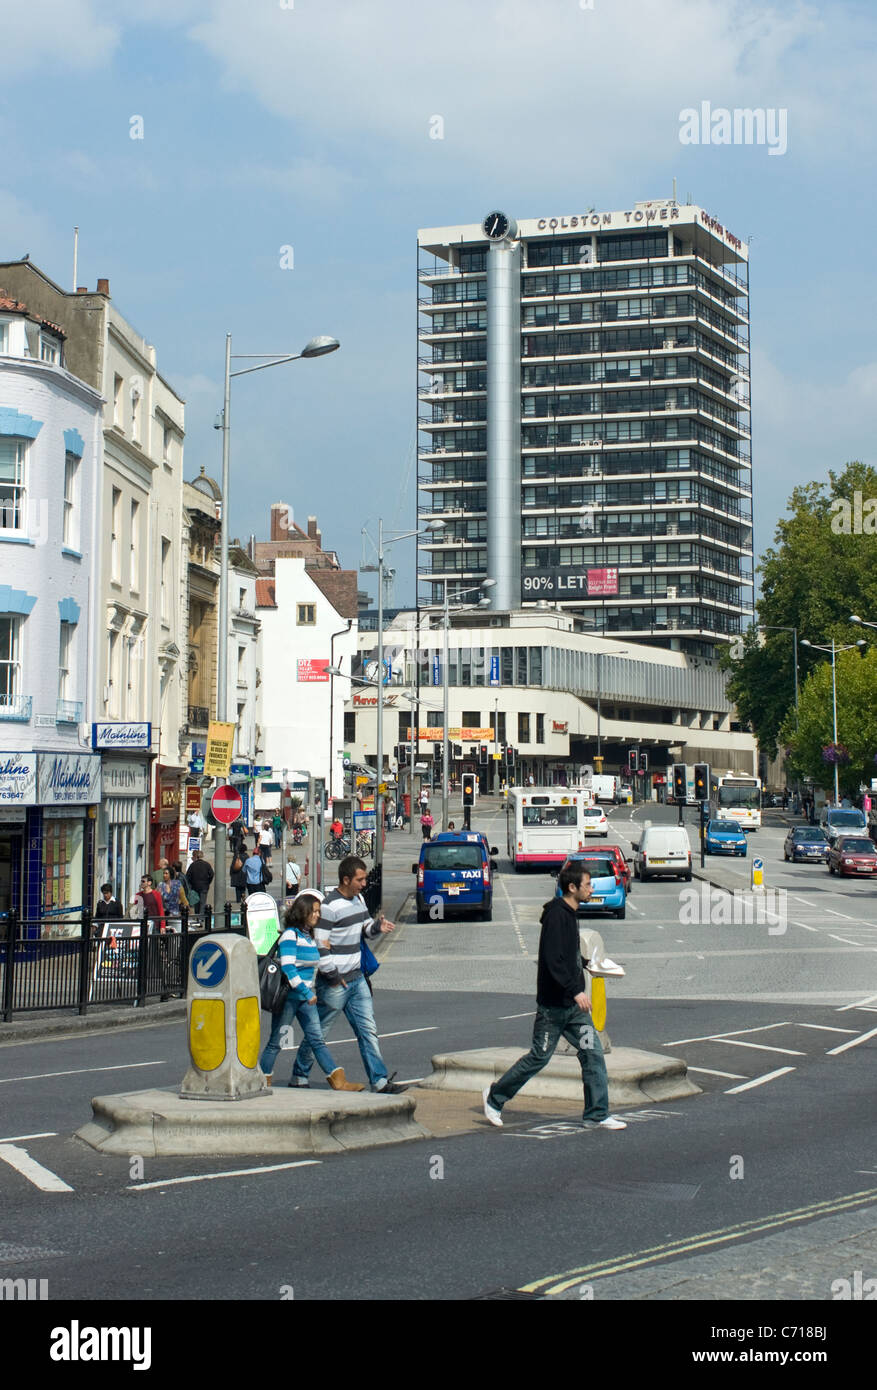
[(69, 779), (18, 779)]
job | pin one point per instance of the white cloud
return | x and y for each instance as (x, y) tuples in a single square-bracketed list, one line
[(311, 180), (57, 33)]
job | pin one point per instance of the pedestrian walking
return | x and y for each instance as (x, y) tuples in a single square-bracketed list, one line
[(424, 797), (293, 877), (147, 905), (561, 1010), (266, 840), (345, 922), (173, 897), (299, 956), (109, 908), (200, 876), (237, 878), (426, 824), (277, 827), (256, 873)]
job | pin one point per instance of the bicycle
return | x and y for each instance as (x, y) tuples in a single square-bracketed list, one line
[(299, 834), (365, 844), (337, 848)]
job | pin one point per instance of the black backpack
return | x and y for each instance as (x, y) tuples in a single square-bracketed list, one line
[(273, 984)]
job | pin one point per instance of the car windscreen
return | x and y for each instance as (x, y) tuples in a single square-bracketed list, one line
[(593, 811), (597, 868), (549, 815), (731, 825), (444, 857), (848, 845), (846, 818), (808, 835)]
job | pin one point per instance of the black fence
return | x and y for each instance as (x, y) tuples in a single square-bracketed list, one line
[(116, 962)]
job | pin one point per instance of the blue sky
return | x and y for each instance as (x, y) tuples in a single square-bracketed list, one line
[(270, 123)]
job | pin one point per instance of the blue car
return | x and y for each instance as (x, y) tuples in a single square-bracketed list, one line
[(725, 837), (455, 872), (607, 886)]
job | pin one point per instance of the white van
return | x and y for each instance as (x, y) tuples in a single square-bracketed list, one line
[(663, 849)]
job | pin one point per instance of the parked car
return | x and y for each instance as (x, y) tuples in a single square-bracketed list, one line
[(662, 851), (595, 821), (852, 854), (455, 868), (608, 893), (805, 844), (724, 837), (622, 864), (837, 820)]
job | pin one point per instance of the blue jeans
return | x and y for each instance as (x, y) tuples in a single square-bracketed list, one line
[(355, 1001), (310, 1026), (550, 1026)]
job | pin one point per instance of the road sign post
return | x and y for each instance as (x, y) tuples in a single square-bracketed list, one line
[(758, 875), (224, 1016)]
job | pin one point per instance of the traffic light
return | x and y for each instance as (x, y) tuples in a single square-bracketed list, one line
[(644, 761), (510, 756), (680, 782), (458, 750), (469, 781), (483, 753), (701, 781), (633, 759), (437, 752)]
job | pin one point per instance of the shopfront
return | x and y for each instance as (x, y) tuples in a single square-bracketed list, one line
[(123, 819), (18, 791), (58, 880), (166, 801)]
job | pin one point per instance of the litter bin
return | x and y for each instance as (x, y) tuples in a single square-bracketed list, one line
[(406, 802)]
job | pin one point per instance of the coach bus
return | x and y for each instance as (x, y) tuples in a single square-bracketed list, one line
[(545, 824), (738, 798)]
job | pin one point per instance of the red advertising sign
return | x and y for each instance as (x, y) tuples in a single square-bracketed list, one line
[(313, 670), (602, 582)]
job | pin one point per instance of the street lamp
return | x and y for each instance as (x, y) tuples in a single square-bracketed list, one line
[(317, 347), (834, 649)]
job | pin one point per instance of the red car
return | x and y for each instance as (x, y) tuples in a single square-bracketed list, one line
[(622, 865), (852, 854)]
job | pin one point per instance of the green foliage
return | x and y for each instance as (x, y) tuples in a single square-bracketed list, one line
[(856, 721), (819, 570)]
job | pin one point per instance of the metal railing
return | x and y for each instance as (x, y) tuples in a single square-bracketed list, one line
[(16, 707), (127, 965)]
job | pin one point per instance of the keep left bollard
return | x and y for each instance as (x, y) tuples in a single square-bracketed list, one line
[(224, 1018)]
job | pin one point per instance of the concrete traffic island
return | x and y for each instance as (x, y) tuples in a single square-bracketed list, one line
[(635, 1077), (160, 1123)]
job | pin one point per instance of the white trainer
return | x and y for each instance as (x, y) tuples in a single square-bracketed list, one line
[(610, 1122), (490, 1111)]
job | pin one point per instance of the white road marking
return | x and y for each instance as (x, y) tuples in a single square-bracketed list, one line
[(805, 926), (845, 915), (859, 1004), (761, 1047), (825, 1028), (80, 1071), (759, 1081), (502, 1018), (711, 1037), (41, 1177), (805, 901), (229, 1173), (339, 1042), (729, 1075), (514, 916), (842, 939), (45, 1134), (854, 1042)]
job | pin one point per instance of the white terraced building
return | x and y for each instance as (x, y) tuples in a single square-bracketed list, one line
[(584, 419)]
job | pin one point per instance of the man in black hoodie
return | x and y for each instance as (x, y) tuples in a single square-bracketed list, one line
[(562, 1010)]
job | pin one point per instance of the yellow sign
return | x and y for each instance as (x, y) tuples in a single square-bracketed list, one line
[(220, 746), (383, 789), (362, 781)]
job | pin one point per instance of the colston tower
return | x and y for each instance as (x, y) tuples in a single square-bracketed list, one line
[(584, 419)]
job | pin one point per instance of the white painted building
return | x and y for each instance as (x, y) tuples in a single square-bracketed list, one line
[(50, 450), (302, 707)]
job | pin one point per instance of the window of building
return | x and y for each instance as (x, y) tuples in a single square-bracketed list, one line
[(165, 580), (136, 396), (500, 719), (471, 719), (13, 472), (521, 666), (166, 437), (65, 647), (116, 537), (118, 403), (540, 728), (507, 665), (523, 728), (4, 338), (71, 477), (240, 733), (307, 614), (242, 665), (404, 725), (349, 727), (10, 659), (134, 552), (50, 349), (112, 701)]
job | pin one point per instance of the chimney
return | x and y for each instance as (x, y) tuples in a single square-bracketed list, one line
[(103, 287), (281, 520), (82, 289), (313, 529)]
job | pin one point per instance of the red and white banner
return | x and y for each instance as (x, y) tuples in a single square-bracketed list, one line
[(602, 582), (313, 670)]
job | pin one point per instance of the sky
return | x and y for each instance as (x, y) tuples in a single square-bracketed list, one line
[(288, 157)]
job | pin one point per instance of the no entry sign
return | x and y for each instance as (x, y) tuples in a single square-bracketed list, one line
[(226, 805)]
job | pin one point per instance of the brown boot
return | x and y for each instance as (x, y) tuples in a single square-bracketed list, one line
[(338, 1081), (269, 1081)]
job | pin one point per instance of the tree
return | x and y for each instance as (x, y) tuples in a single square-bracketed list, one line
[(821, 568), (811, 744)]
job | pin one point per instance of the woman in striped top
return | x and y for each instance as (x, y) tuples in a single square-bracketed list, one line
[(298, 955)]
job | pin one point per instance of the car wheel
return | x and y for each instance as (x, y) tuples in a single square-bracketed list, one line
[(687, 876), (422, 914), (487, 914), (621, 913)]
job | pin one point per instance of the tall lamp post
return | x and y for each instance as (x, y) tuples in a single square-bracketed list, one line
[(833, 650), (317, 347), (484, 602)]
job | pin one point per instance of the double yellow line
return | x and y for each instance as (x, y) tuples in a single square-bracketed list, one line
[(560, 1283)]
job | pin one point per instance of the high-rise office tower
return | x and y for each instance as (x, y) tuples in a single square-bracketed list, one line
[(584, 419)]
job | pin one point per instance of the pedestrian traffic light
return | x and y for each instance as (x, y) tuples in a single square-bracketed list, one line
[(680, 782), (633, 759), (701, 781), (469, 781)]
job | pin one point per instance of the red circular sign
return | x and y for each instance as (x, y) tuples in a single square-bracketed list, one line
[(226, 805)]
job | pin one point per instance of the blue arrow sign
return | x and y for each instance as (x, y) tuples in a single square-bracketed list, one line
[(208, 965), (757, 864)]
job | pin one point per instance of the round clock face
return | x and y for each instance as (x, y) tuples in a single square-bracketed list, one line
[(495, 225)]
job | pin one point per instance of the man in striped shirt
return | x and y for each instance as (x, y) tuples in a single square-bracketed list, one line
[(341, 986)]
